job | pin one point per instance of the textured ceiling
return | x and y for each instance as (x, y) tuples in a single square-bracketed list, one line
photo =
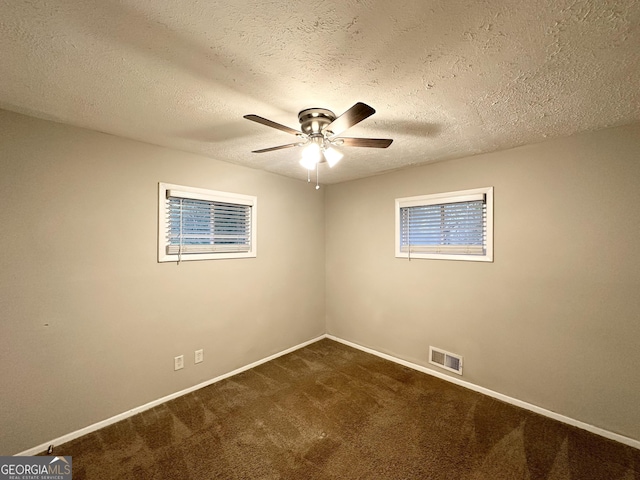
[(448, 78)]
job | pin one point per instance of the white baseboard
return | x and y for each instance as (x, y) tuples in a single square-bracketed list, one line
[(514, 401), (109, 421)]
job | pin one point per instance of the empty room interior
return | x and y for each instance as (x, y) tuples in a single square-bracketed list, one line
[(324, 132)]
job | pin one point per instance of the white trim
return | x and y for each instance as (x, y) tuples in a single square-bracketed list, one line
[(513, 401), (474, 195), (122, 416), (210, 195), (500, 396)]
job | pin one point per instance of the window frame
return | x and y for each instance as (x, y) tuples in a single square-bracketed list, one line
[(439, 199), (209, 195)]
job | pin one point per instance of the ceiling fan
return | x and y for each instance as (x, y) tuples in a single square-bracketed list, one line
[(319, 133)]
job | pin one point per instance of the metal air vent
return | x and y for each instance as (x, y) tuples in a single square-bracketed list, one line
[(446, 360)]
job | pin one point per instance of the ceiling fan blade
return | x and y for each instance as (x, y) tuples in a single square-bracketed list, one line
[(354, 115), (279, 147), (269, 123), (364, 142)]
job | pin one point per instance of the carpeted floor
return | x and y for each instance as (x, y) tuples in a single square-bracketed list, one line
[(328, 411)]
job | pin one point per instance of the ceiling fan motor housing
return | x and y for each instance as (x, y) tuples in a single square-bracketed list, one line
[(313, 120)]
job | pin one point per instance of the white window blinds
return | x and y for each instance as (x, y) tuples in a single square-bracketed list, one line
[(452, 225), (455, 228), (200, 224), (205, 226)]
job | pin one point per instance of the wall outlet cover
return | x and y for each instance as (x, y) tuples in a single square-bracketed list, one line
[(178, 362)]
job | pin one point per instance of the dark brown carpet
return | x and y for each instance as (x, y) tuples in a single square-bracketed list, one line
[(328, 411)]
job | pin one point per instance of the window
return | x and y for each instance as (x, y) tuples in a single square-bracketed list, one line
[(199, 224), (447, 226)]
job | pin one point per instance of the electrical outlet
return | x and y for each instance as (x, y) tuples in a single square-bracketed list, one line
[(178, 362), (199, 356)]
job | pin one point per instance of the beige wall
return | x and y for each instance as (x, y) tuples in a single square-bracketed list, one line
[(79, 251), (554, 320)]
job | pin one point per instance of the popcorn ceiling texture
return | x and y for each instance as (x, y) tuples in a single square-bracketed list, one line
[(448, 78)]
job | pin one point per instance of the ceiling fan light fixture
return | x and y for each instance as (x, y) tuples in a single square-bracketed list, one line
[(309, 163), (311, 152), (319, 133), (332, 156)]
